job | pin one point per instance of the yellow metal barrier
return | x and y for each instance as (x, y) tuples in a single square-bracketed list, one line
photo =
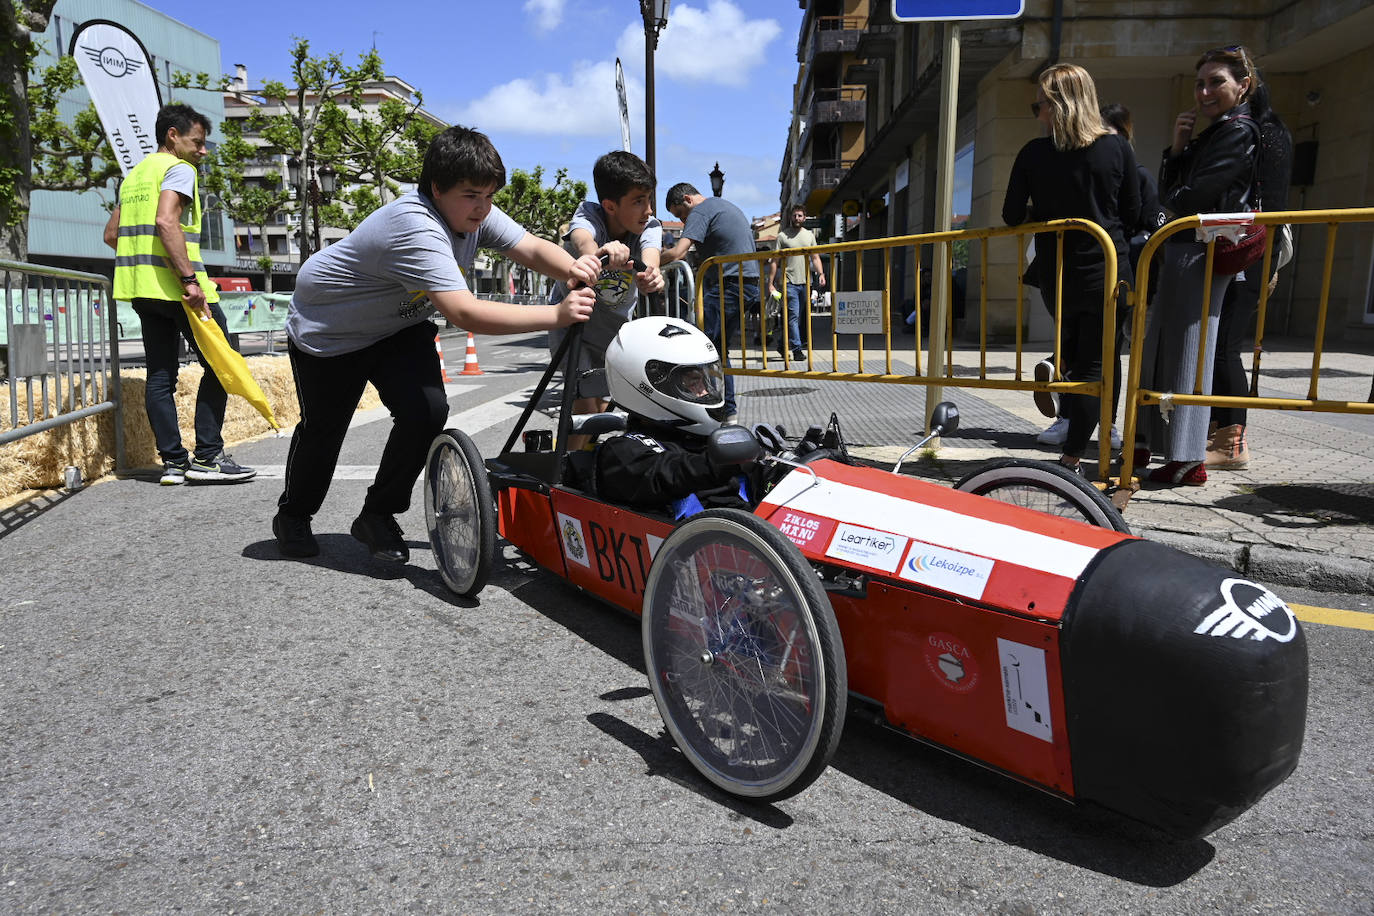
[(1137, 397), (941, 352)]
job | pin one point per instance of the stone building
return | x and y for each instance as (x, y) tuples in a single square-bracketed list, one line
[(1316, 55)]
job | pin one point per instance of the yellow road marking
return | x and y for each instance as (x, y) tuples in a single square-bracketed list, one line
[(1354, 620)]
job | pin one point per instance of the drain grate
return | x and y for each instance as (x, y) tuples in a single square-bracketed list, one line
[(1304, 373), (791, 392)]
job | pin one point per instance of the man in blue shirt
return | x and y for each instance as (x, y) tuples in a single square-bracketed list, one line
[(717, 227)]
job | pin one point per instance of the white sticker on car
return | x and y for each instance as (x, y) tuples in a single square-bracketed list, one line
[(948, 570), (868, 546), (1025, 689), (574, 537), (1249, 610)]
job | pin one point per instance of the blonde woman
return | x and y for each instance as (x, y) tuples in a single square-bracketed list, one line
[(1079, 169)]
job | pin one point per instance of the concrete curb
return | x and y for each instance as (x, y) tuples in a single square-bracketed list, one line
[(1276, 565)]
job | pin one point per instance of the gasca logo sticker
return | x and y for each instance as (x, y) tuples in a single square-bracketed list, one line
[(574, 539), (1249, 610), (948, 570)]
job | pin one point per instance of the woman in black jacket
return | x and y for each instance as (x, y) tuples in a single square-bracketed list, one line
[(1082, 170), (1209, 173)]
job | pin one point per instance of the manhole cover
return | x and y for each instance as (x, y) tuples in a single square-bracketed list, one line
[(775, 392)]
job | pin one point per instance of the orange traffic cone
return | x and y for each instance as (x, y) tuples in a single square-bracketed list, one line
[(443, 370), (470, 366)]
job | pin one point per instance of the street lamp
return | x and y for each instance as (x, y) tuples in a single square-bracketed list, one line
[(655, 13), (717, 180), (319, 188)]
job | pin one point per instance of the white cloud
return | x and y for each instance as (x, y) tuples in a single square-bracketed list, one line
[(712, 45), (548, 14), (581, 104)]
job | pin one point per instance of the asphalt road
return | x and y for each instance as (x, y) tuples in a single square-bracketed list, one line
[(192, 724)]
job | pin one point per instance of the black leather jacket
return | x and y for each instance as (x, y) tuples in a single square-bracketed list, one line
[(1215, 171)]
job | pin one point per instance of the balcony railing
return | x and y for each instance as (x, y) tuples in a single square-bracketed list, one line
[(832, 35), (844, 104)]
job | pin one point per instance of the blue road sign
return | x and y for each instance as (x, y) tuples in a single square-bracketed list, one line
[(940, 10)]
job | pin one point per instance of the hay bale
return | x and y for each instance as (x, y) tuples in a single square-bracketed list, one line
[(36, 462)]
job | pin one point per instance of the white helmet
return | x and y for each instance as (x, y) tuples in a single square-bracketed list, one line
[(664, 369)]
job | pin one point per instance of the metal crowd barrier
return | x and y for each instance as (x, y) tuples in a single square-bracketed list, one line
[(61, 347), (940, 371), (679, 291), (1137, 397)]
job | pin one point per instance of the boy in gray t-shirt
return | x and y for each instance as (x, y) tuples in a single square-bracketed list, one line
[(361, 313), (621, 228)]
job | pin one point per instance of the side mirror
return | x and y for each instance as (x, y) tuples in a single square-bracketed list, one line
[(945, 417), (733, 445)]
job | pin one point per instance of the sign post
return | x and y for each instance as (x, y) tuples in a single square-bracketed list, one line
[(949, 12)]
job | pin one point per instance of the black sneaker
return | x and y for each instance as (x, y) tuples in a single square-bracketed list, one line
[(382, 536), (294, 537), (219, 469), (173, 473)]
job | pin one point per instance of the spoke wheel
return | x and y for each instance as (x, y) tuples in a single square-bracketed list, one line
[(459, 512), (1044, 486), (744, 656)]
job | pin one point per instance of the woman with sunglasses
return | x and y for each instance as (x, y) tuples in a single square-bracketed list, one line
[(1081, 169), (1212, 172)]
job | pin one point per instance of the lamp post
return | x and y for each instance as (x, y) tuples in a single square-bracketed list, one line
[(319, 189), (655, 13), (717, 180)]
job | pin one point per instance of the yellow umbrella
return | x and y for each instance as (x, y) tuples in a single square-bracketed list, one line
[(230, 367)]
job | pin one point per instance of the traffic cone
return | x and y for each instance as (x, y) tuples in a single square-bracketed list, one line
[(438, 348), (470, 366)]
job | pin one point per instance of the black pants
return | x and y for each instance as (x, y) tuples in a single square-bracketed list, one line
[(405, 371), (163, 322), (1082, 362), (1238, 311)]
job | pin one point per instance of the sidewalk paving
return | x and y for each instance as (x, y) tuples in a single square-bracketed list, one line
[(1302, 514)]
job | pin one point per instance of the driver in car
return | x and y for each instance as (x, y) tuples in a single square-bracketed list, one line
[(667, 375)]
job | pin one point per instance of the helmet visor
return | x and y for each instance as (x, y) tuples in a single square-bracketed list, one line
[(695, 384)]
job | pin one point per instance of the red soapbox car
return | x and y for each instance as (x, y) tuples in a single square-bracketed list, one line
[(1060, 651)]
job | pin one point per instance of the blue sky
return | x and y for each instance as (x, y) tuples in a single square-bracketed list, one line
[(538, 75)]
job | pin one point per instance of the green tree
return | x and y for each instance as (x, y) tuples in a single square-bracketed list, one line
[(21, 22), (541, 210), (317, 83), (252, 201), (372, 152)]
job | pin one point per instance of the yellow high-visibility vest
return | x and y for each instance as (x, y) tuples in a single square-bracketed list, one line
[(142, 270)]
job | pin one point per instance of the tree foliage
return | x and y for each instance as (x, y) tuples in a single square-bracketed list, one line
[(541, 210), (372, 152), (251, 201), (21, 21), (296, 112)]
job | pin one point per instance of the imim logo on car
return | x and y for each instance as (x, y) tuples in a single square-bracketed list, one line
[(113, 61)]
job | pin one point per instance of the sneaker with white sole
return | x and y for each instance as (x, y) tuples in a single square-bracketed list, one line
[(1057, 433), (219, 469), (173, 473), (1047, 402)]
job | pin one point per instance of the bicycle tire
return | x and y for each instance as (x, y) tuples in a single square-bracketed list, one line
[(459, 512), (743, 655), (1045, 486)]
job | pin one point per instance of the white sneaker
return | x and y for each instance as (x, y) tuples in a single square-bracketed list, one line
[(1116, 439), (1056, 434)]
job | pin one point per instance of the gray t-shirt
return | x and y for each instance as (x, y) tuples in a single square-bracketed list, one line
[(719, 227), (616, 291), (182, 179), (376, 281)]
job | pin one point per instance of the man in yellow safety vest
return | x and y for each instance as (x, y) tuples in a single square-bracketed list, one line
[(155, 231)]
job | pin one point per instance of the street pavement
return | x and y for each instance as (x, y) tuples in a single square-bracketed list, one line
[(193, 724)]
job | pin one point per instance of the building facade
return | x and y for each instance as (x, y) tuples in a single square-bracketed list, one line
[(66, 228), (1316, 55)]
